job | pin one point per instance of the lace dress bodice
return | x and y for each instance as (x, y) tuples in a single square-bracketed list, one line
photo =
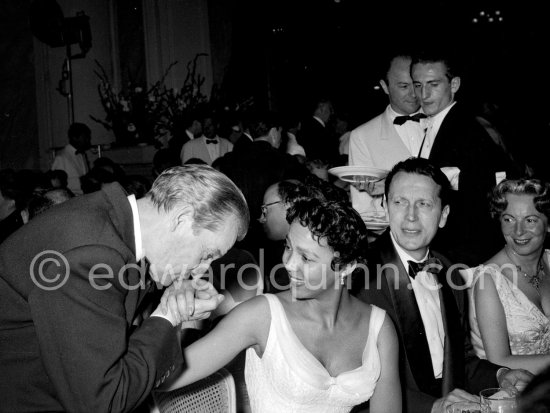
[(528, 328), (288, 378)]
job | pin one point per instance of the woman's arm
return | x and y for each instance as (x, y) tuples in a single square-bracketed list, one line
[(245, 326), (387, 394), (494, 333)]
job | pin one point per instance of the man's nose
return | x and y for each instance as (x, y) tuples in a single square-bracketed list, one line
[(411, 213)]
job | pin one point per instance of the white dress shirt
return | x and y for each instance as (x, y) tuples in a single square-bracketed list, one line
[(426, 292), (318, 119), (411, 133), (213, 148), (137, 227)]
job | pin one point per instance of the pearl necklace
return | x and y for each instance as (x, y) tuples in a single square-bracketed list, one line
[(534, 279)]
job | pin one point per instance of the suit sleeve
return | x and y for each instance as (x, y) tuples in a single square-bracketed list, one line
[(87, 351)]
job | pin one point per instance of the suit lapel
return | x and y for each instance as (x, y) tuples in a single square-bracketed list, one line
[(408, 316), (446, 146), (453, 369)]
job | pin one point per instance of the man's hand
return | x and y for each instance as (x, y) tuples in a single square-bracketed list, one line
[(187, 300), (457, 395), (513, 381), (372, 187)]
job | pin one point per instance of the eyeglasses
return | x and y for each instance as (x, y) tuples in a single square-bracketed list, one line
[(264, 206)]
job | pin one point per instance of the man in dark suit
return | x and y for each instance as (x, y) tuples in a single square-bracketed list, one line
[(453, 138), (315, 135), (71, 286), (428, 311)]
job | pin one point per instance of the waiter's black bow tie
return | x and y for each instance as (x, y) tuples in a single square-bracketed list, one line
[(212, 141), (400, 120), (432, 265)]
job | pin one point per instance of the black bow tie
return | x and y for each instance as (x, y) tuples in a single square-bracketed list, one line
[(400, 120), (212, 141), (432, 265)]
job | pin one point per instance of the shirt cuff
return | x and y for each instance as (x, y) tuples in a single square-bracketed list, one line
[(173, 325)]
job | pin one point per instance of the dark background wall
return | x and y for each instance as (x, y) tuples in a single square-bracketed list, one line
[(18, 130), (280, 54)]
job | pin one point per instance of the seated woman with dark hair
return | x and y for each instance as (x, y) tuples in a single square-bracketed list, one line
[(313, 348), (510, 296)]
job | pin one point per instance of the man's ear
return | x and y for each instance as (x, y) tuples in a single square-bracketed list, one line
[(455, 84), (444, 216), (384, 86), (182, 218)]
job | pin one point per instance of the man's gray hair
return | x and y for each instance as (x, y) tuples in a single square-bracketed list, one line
[(211, 194)]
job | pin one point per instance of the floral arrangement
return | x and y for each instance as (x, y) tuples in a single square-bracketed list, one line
[(140, 115)]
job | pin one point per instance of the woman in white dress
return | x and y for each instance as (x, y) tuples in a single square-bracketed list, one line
[(510, 297), (313, 348)]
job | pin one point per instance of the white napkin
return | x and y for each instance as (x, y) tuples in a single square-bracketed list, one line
[(452, 173)]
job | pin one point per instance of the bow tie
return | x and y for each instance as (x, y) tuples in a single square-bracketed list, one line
[(400, 120), (214, 141), (432, 265)]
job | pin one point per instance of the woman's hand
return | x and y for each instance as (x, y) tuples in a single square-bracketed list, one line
[(188, 300)]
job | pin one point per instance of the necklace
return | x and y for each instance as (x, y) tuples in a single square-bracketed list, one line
[(534, 279)]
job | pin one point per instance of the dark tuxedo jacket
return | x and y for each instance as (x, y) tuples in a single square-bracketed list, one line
[(72, 348), (392, 291), (470, 235), (317, 141)]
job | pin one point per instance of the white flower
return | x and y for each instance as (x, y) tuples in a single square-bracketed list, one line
[(138, 89), (131, 127)]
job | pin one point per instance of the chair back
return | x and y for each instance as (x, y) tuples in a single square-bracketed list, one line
[(213, 394)]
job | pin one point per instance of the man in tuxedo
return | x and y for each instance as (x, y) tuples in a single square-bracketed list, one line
[(390, 137), (453, 138), (73, 281), (208, 147), (428, 310)]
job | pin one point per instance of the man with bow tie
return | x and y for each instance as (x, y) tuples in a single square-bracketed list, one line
[(209, 146), (392, 136), (424, 296)]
